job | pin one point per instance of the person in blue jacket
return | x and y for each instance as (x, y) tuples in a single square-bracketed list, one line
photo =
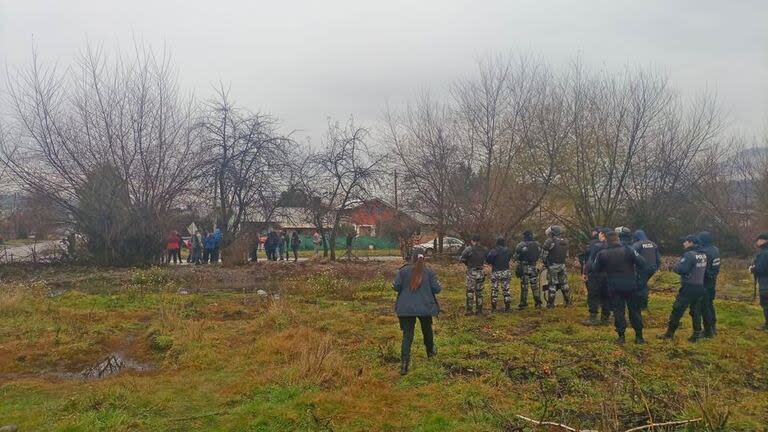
[(209, 254), (759, 270), (650, 253), (691, 268), (708, 315), (416, 286), (621, 265)]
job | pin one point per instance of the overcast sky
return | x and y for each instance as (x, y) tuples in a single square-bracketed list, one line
[(306, 60)]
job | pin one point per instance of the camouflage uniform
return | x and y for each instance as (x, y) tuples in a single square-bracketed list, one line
[(554, 255), (474, 258), (500, 278), (527, 253), (475, 279), (557, 278)]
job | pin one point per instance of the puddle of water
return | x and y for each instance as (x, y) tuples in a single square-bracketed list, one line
[(108, 366)]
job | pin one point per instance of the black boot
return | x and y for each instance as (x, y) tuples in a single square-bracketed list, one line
[(431, 353), (522, 306), (669, 334), (592, 320), (694, 337), (493, 306), (605, 319), (506, 306), (639, 337), (469, 308), (479, 310), (620, 339), (404, 365)]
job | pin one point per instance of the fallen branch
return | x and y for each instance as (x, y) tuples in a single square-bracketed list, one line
[(546, 423), (653, 425)]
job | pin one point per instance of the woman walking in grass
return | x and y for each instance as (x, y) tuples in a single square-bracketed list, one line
[(416, 286)]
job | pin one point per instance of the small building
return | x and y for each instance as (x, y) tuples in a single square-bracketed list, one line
[(368, 216)]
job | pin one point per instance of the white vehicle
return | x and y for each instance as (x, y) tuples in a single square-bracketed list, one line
[(451, 245)]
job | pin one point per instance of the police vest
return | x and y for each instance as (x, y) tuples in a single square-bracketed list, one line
[(558, 251), (476, 257), (531, 252), (501, 258), (647, 250), (696, 276), (618, 261)]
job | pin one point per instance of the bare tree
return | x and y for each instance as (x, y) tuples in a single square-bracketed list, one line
[(340, 175), (512, 117), (124, 115), (246, 166), (426, 150)]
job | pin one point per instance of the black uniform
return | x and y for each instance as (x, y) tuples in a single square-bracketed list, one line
[(597, 285), (710, 282), (650, 253), (621, 265), (527, 254), (691, 268)]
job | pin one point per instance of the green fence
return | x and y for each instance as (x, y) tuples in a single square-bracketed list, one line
[(359, 243)]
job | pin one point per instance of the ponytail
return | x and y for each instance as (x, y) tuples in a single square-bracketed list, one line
[(417, 272)]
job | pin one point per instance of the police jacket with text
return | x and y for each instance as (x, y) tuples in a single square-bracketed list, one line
[(713, 259), (499, 258), (691, 268), (760, 269), (528, 252), (555, 251), (474, 256), (621, 264), (648, 250)]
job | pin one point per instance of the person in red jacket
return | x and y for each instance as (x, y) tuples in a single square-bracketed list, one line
[(173, 246)]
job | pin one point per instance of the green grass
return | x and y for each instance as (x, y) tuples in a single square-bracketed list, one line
[(325, 355)]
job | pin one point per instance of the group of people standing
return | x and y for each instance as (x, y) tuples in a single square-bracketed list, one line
[(616, 266), (277, 245), (203, 247), (553, 254)]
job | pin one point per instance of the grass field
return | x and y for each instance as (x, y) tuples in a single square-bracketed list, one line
[(320, 351)]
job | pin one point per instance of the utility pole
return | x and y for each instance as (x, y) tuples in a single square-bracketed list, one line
[(396, 207)]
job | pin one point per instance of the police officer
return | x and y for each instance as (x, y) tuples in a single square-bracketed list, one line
[(621, 265), (473, 257), (527, 254), (499, 258), (554, 255), (691, 268), (760, 271), (650, 253), (705, 245), (625, 235), (597, 286)]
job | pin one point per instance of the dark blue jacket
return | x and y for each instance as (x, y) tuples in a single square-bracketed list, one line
[(713, 258), (760, 270), (594, 249), (648, 250), (499, 258), (621, 264), (421, 302), (691, 269)]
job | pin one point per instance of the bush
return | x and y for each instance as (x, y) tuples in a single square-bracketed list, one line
[(162, 343)]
